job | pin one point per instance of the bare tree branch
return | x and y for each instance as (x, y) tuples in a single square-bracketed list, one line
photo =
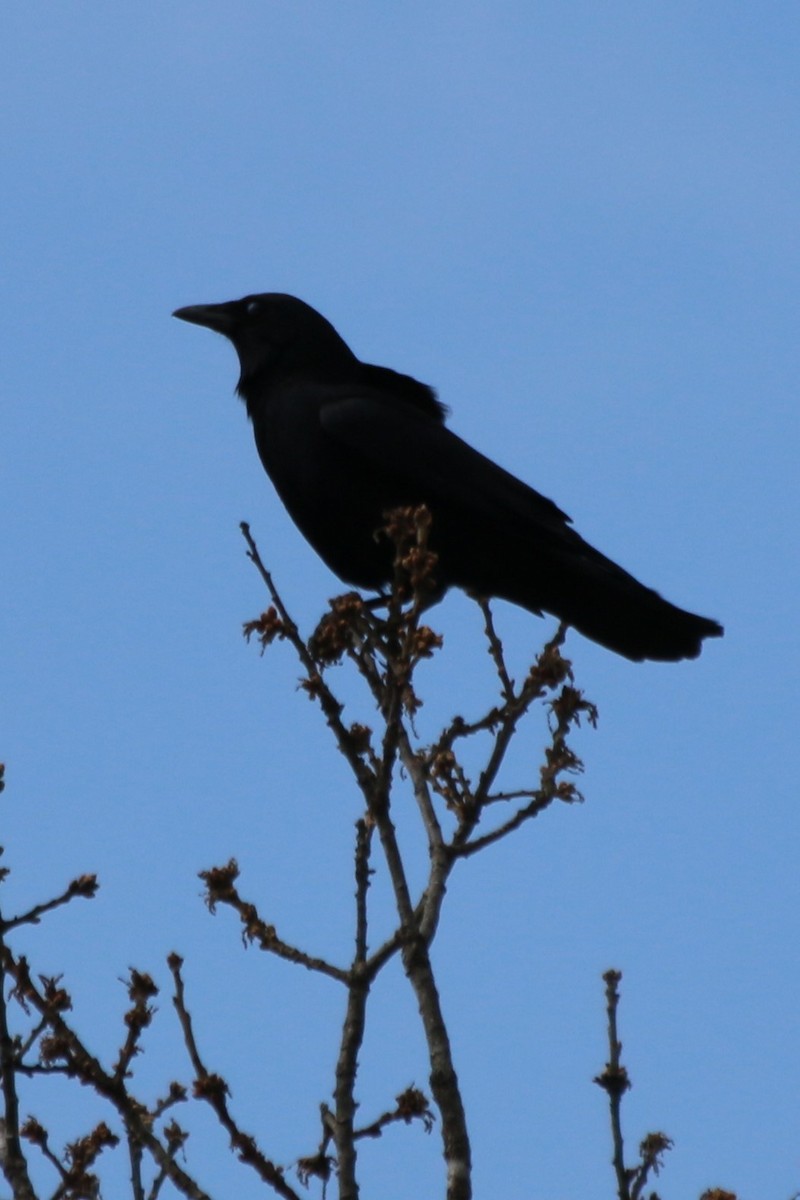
[(359, 980), (12, 1159), (85, 885), (614, 1081), (221, 889), (213, 1089)]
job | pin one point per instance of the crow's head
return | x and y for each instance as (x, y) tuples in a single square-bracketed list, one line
[(276, 337)]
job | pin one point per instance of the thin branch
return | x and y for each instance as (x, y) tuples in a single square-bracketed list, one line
[(344, 1094), (496, 650), (315, 684), (651, 1149), (37, 1135), (12, 1159), (566, 710), (27, 1043), (534, 687), (541, 801), (507, 797), (213, 1089), (135, 1158), (85, 886), (363, 871), (416, 767), (141, 989), (221, 889), (176, 1140), (615, 1082), (341, 1123), (379, 958), (412, 1104)]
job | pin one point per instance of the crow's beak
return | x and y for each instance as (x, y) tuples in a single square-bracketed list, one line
[(218, 317)]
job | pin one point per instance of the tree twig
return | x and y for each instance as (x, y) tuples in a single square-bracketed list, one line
[(12, 1158), (358, 985), (221, 889), (615, 1082), (213, 1089)]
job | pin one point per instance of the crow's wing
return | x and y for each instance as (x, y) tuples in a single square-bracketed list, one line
[(502, 538), (401, 441)]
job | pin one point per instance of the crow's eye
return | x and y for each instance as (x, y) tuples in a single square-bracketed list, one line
[(252, 307)]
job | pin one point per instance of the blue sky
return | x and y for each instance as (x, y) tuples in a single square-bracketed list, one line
[(580, 223)]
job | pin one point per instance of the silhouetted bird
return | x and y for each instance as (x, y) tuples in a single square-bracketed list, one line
[(344, 441)]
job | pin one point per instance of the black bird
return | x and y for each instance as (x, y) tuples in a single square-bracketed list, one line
[(344, 441)]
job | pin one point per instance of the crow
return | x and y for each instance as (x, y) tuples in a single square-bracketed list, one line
[(344, 442)]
